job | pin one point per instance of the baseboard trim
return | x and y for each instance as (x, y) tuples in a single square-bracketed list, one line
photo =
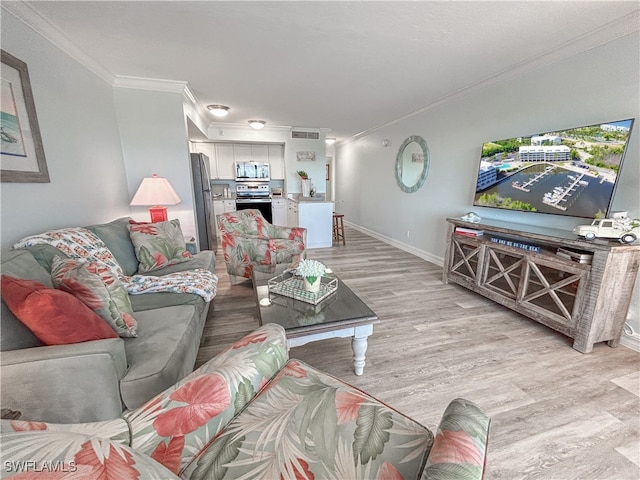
[(402, 246), (631, 341)]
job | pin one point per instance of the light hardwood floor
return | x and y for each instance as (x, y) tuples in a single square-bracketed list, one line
[(556, 414)]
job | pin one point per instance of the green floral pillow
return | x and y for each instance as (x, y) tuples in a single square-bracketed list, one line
[(158, 245), (99, 289)]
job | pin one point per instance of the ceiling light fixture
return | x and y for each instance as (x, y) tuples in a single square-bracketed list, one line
[(257, 124), (330, 140), (218, 110)]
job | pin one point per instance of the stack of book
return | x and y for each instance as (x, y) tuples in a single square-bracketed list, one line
[(469, 232), (515, 244), (575, 256)]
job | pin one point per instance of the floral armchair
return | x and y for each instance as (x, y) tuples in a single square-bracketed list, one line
[(250, 242), (253, 413)]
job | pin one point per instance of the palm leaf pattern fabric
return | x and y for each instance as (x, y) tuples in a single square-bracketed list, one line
[(307, 424), (250, 242)]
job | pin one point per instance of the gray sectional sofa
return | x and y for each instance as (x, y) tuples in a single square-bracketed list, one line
[(98, 380)]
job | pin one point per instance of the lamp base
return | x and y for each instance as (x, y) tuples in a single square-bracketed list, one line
[(158, 214)]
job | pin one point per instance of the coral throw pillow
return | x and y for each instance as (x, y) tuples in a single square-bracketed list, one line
[(54, 316), (98, 288), (158, 245)]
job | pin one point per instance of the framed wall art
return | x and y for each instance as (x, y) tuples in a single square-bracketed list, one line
[(22, 157), (306, 156)]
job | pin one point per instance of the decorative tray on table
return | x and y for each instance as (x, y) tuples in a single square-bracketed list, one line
[(292, 286)]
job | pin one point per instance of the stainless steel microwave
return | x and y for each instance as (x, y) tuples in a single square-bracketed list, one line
[(252, 171)]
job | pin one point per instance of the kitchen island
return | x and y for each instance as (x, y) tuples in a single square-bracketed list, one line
[(316, 215)]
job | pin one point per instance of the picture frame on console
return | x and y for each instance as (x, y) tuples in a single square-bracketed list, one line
[(22, 158)]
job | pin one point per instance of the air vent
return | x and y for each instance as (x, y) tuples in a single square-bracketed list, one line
[(305, 135)]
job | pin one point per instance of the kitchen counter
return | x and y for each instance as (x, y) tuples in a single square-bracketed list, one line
[(318, 198)]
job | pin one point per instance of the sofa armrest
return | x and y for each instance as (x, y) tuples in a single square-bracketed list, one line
[(460, 447), (187, 416), (65, 383)]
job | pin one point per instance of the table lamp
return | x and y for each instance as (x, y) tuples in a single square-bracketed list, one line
[(155, 192)]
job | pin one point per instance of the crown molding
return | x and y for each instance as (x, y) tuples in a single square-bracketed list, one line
[(34, 20), (156, 85), (246, 126)]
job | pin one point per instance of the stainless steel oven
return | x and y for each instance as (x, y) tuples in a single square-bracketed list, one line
[(254, 195)]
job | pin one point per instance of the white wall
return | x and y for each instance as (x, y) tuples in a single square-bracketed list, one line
[(81, 143), (596, 86), (154, 137)]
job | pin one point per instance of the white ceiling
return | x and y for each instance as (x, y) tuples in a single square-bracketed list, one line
[(346, 66)]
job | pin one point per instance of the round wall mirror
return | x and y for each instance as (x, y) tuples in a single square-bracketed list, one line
[(412, 164)]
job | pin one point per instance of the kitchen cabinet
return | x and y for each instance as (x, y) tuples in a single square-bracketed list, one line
[(276, 161), (292, 213), (208, 149), (223, 157), (226, 160), (279, 212), (242, 152), (523, 269), (260, 153)]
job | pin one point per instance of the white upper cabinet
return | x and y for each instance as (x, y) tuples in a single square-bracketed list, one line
[(226, 160), (209, 150), (222, 157), (242, 152), (260, 153), (276, 161)]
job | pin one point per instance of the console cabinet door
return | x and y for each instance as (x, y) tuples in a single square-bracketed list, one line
[(554, 290)]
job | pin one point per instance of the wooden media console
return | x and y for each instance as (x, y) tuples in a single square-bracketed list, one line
[(522, 268)]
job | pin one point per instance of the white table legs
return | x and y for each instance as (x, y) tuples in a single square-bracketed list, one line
[(359, 345), (358, 342)]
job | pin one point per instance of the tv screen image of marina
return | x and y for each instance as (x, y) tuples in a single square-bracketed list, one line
[(569, 172)]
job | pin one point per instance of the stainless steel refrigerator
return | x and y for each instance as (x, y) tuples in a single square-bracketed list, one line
[(203, 202)]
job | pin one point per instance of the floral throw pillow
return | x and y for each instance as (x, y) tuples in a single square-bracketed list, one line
[(158, 245), (99, 289)]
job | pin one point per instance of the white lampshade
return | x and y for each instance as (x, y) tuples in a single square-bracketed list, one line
[(155, 191)]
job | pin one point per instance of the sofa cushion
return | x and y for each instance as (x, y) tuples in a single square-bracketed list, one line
[(158, 245), (205, 260), (115, 236), (163, 353), (99, 289), (54, 316), (44, 255), (15, 334)]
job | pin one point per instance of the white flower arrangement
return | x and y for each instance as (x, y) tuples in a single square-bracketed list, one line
[(311, 269)]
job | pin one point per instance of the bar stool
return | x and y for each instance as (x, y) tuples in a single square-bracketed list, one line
[(338, 228)]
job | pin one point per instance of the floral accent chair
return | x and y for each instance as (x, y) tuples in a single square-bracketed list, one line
[(249, 413), (250, 242)]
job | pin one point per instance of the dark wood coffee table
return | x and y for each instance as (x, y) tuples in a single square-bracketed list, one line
[(342, 314)]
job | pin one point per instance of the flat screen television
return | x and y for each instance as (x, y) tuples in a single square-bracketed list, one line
[(570, 172)]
